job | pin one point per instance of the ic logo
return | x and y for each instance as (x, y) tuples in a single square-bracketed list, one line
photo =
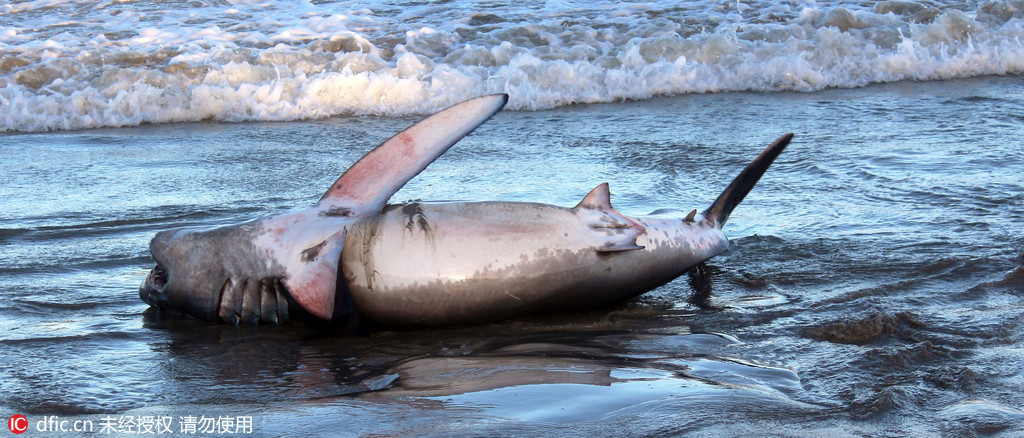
[(18, 423)]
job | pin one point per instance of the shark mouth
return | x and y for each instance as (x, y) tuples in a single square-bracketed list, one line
[(152, 289), (157, 277)]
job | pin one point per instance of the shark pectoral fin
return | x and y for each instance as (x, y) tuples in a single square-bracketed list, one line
[(312, 281), (613, 231), (366, 187)]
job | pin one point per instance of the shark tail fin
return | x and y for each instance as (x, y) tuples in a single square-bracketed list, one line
[(718, 213)]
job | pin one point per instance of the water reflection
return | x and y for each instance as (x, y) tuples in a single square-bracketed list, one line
[(555, 369)]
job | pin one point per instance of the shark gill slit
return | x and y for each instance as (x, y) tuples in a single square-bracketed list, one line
[(251, 307), (282, 302), (220, 296), (268, 301)]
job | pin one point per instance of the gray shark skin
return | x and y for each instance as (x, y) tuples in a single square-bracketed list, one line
[(435, 264), (431, 264), (285, 267)]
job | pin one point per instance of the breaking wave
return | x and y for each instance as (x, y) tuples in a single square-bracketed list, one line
[(66, 64)]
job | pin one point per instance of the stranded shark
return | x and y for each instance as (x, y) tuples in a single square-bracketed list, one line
[(430, 264)]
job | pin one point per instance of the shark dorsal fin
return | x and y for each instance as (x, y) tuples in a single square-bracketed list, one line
[(598, 199), (365, 187)]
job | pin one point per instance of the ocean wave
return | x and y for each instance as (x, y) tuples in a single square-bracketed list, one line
[(65, 65)]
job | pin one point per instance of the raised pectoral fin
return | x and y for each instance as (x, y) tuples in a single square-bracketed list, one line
[(312, 280), (613, 231), (370, 182)]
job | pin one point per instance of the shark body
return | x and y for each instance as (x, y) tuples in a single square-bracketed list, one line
[(432, 264)]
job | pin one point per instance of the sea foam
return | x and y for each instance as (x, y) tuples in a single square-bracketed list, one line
[(65, 65)]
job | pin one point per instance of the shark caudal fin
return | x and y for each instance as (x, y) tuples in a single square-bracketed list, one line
[(719, 210), (366, 186)]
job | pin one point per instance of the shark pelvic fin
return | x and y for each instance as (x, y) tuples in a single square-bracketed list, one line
[(314, 284), (598, 199), (365, 188), (614, 231)]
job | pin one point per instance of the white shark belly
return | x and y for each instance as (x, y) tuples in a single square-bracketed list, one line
[(457, 263)]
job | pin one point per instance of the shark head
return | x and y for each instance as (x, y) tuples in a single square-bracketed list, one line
[(285, 267), (193, 294), (218, 274)]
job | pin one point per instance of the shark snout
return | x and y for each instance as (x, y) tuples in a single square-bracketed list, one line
[(161, 243), (153, 290)]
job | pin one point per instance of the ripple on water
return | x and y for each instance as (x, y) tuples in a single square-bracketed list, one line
[(868, 330), (982, 417)]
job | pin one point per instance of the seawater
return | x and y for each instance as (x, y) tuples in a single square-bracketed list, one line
[(873, 287), (67, 64)]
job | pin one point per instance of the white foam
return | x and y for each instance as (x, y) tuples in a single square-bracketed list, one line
[(65, 65)]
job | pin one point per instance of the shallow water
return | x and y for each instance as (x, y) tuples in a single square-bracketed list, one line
[(874, 284)]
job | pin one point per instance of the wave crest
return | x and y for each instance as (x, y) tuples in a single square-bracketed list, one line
[(249, 62)]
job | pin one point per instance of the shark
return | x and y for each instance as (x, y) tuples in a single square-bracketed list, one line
[(352, 256)]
